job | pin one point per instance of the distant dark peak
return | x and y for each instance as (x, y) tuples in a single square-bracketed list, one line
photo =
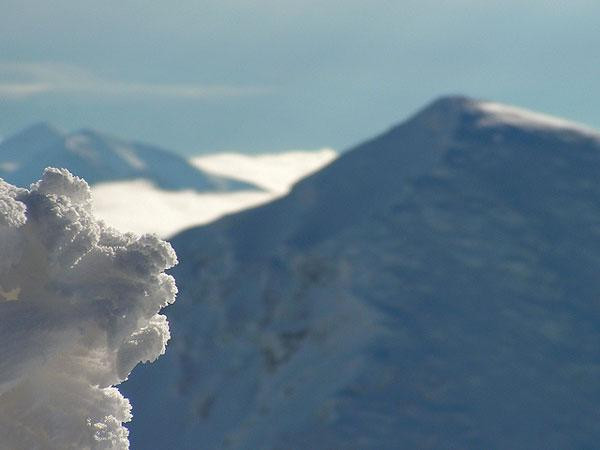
[(41, 131), (31, 139), (448, 107), (442, 116), (42, 126), (87, 132), (447, 113), (451, 102), (93, 137)]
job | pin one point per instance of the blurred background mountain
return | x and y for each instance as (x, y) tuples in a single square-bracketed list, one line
[(434, 287)]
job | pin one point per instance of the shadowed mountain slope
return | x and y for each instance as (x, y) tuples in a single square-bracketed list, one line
[(435, 287)]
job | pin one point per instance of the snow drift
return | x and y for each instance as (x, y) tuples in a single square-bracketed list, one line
[(79, 307)]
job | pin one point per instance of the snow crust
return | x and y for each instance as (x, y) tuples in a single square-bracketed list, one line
[(79, 306)]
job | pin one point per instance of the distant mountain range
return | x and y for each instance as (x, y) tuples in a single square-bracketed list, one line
[(436, 287), (99, 158)]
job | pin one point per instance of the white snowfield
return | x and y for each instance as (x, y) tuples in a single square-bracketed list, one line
[(500, 114), (79, 306), (141, 207)]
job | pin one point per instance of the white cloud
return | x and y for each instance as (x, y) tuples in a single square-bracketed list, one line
[(141, 207), (274, 172), (79, 307), (18, 90), (20, 80)]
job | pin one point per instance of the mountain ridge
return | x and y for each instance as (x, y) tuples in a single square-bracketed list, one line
[(455, 305), (98, 157), (439, 120)]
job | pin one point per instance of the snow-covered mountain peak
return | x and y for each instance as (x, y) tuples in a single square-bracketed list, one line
[(495, 114), (40, 131), (442, 116), (449, 111), (98, 157), (434, 287), (448, 105)]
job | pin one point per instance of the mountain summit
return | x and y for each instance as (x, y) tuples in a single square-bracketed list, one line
[(435, 287), (97, 157)]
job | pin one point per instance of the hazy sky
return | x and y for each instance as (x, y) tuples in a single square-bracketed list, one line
[(265, 75)]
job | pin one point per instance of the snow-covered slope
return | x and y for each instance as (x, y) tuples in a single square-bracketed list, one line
[(435, 287), (100, 158)]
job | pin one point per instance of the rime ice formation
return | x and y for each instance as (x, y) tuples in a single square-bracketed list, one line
[(79, 307)]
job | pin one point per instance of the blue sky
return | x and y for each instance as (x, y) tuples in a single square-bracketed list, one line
[(267, 75)]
